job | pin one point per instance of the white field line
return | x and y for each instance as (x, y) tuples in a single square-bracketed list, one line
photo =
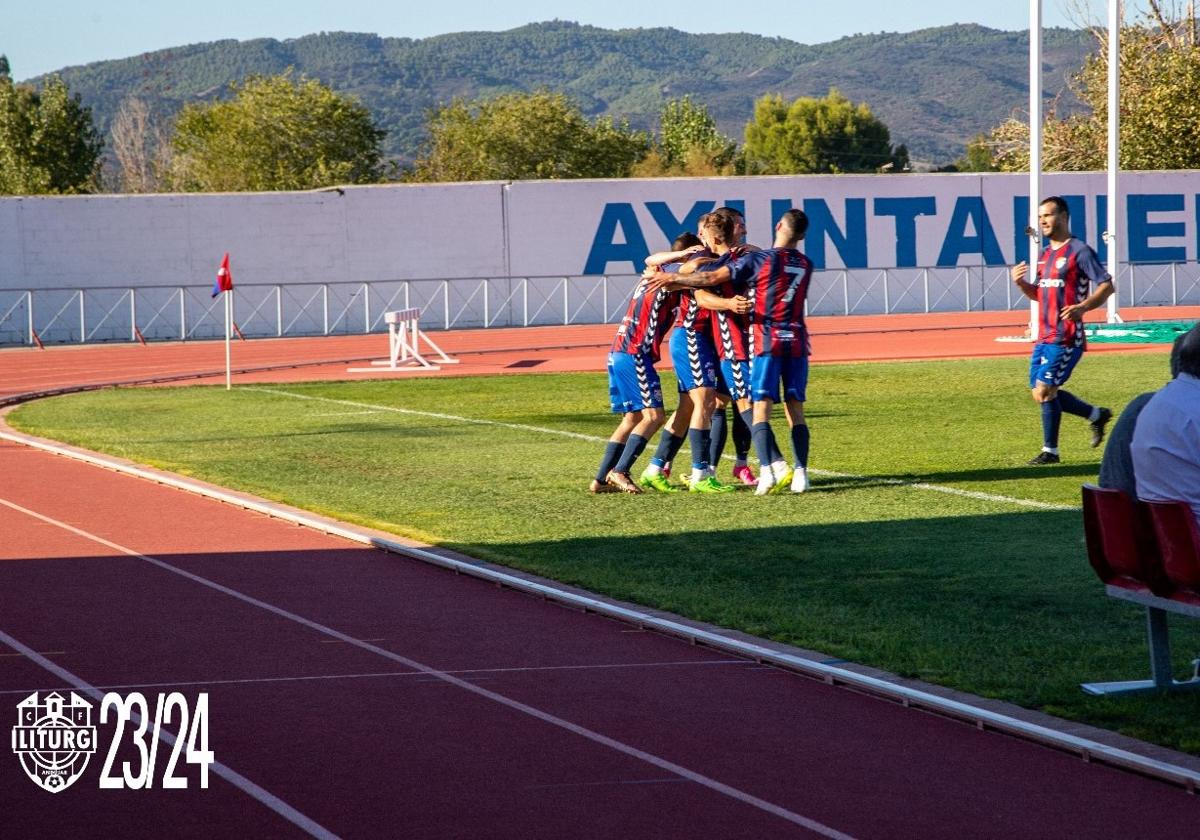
[(428, 670), (934, 488)]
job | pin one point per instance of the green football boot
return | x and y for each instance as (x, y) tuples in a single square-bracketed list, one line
[(657, 481), (709, 484)]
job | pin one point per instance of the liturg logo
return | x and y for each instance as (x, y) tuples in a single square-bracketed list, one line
[(54, 738)]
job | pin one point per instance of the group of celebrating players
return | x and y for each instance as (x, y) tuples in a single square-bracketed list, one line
[(739, 337)]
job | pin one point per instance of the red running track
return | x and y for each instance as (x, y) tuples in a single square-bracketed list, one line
[(361, 694)]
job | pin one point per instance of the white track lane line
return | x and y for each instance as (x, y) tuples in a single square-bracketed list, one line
[(306, 824), (376, 674), (515, 705), (935, 488)]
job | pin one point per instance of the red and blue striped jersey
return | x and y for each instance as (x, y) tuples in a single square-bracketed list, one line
[(776, 282), (1063, 277), (731, 332), (691, 315), (646, 321)]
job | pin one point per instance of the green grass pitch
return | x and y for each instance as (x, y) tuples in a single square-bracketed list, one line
[(885, 562)]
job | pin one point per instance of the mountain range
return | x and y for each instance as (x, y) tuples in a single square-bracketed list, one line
[(934, 88)]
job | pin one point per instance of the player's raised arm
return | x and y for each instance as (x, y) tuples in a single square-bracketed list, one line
[(1019, 272), (697, 280), (737, 304), (665, 257)]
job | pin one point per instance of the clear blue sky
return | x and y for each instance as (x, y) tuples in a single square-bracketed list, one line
[(39, 37)]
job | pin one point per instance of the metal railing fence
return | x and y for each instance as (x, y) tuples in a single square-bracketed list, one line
[(182, 313)]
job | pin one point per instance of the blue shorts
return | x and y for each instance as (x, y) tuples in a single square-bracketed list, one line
[(766, 372), (734, 380), (1052, 363), (633, 383), (695, 359)]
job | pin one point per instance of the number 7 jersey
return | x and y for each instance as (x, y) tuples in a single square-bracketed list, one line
[(776, 283)]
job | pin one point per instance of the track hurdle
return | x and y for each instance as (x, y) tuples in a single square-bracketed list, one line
[(404, 346)]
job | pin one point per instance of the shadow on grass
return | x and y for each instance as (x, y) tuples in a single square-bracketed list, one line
[(1087, 471)]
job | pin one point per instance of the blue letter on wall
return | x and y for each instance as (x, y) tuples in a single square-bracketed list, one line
[(957, 242), (1141, 229), (851, 245), (906, 211), (604, 247), (672, 227)]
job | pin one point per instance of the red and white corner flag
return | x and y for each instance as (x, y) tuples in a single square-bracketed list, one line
[(224, 283)]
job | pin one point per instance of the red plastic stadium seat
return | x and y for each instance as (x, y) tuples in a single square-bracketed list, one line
[(1179, 542), (1120, 541)]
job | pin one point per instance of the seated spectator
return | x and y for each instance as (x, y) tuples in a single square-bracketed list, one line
[(1166, 442), (1116, 467)]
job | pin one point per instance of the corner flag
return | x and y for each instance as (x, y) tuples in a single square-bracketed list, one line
[(224, 281)]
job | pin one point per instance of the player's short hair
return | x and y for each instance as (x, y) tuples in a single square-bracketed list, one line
[(685, 240), (796, 222), (731, 211), (1189, 352), (719, 226), (1059, 205)]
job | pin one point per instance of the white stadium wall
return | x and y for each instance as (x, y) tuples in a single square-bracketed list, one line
[(492, 254)]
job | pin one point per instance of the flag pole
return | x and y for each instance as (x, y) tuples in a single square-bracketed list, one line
[(1114, 150), (1035, 150), (228, 322)]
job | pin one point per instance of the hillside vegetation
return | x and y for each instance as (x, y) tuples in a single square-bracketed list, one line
[(935, 88)]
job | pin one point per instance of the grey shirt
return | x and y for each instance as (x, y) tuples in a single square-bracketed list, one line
[(1166, 444)]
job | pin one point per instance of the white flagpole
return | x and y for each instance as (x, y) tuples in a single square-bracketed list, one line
[(1114, 147), (1035, 150), (228, 323)]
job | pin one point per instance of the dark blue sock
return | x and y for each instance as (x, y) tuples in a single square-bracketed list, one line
[(612, 453), (1051, 417), (668, 445), (1073, 405), (764, 442), (718, 435), (699, 440), (741, 434), (633, 448), (800, 444), (676, 445)]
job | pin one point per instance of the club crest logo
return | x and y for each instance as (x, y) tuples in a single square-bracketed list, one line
[(54, 738), (1060, 263)]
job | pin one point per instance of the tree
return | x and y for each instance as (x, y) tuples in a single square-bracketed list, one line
[(47, 141), (525, 136), (1160, 89), (276, 133), (978, 157), (689, 143), (818, 135), (141, 147)]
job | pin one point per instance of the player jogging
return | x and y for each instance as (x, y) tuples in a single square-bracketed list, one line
[(1064, 272)]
